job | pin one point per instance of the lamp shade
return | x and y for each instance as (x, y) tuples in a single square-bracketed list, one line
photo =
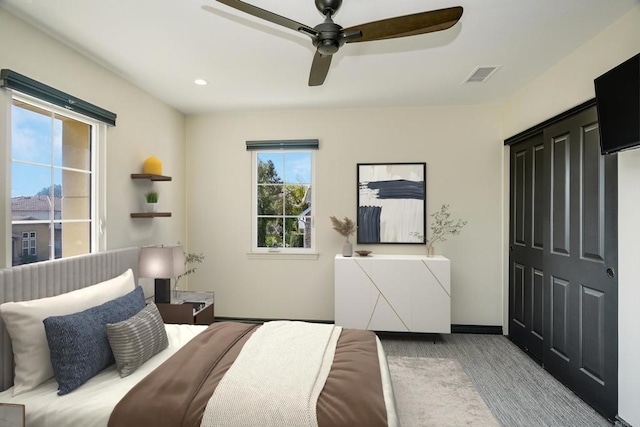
[(161, 262)]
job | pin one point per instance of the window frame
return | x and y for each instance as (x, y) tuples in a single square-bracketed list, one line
[(281, 252), (97, 209)]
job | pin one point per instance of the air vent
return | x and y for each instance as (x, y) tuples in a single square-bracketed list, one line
[(481, 74)]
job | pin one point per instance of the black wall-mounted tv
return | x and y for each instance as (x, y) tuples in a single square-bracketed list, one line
[(618, 105)]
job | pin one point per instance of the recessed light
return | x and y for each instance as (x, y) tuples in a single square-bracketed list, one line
[(200, 82)]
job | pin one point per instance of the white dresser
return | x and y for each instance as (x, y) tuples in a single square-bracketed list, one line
[(408, 293)]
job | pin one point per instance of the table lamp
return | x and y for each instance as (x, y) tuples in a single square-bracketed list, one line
[(161, 263)]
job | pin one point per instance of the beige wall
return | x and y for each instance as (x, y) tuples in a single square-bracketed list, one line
[(145, 126), (463, 152), (565, 85)]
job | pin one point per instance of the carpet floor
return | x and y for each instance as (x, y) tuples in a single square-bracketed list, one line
[(518, 391)]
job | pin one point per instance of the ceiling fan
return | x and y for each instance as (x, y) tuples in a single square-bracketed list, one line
[(328, 36)]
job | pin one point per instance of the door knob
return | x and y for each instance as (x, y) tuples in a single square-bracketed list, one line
[(611, 273)]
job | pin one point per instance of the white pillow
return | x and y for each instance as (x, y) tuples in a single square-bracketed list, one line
[(28, 338)]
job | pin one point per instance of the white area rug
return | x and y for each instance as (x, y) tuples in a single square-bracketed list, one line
[(436, 392)]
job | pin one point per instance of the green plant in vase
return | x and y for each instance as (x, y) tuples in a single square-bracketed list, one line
[(151, 197), (151, 201)]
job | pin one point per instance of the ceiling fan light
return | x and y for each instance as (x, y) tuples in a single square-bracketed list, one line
[(328, 47)]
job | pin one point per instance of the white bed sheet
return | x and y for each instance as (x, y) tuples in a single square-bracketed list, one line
[(92, 403), (393, 418)]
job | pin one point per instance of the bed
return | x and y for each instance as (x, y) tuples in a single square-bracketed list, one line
[(154, 393)]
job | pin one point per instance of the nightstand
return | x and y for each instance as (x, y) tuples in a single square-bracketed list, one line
[(194, 308)]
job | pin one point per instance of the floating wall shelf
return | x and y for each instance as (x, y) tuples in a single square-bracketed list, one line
[(150, 214), (150, 177)]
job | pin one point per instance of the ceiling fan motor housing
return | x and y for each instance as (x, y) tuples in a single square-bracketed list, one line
[(330, 38)]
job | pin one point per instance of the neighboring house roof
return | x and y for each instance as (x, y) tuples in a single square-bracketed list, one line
[(305, 213), (23, 218), (33, 203)]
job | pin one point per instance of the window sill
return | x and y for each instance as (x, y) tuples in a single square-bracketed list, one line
[(283, 255)]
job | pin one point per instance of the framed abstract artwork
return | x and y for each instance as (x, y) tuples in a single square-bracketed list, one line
[(392, 203)]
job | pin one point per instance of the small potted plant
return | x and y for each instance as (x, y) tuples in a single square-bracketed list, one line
[(346, 228), (441, 226), (151, 201)]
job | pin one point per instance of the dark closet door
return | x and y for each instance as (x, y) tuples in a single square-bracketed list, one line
[(580, 261), (528, 205)]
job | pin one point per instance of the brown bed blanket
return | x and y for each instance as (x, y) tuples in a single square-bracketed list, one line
[(176, 393)]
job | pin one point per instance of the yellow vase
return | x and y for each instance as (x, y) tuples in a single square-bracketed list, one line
[(153, 166)]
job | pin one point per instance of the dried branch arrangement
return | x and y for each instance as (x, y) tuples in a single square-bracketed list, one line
[(443, 225), (346, 227)]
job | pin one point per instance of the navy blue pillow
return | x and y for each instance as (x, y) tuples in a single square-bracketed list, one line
[(78, 342)]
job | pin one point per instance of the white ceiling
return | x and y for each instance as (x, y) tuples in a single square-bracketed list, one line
[(161, 46)]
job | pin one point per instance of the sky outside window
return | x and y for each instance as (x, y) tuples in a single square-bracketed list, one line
[(292, 167), (35, 136)]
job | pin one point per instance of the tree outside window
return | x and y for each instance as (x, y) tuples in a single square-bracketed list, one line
[(284, 208)]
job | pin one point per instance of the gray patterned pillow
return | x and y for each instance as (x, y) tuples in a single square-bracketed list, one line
[(137, 339)]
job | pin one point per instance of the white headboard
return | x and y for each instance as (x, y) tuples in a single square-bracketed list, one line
[(50, 278)]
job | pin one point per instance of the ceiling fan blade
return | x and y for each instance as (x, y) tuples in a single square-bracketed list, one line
[(319, 69), (267, 16), (407, 25)]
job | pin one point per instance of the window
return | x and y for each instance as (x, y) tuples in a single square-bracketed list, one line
[(283, 201), (52, 158), (29, 250), (53, 181)]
